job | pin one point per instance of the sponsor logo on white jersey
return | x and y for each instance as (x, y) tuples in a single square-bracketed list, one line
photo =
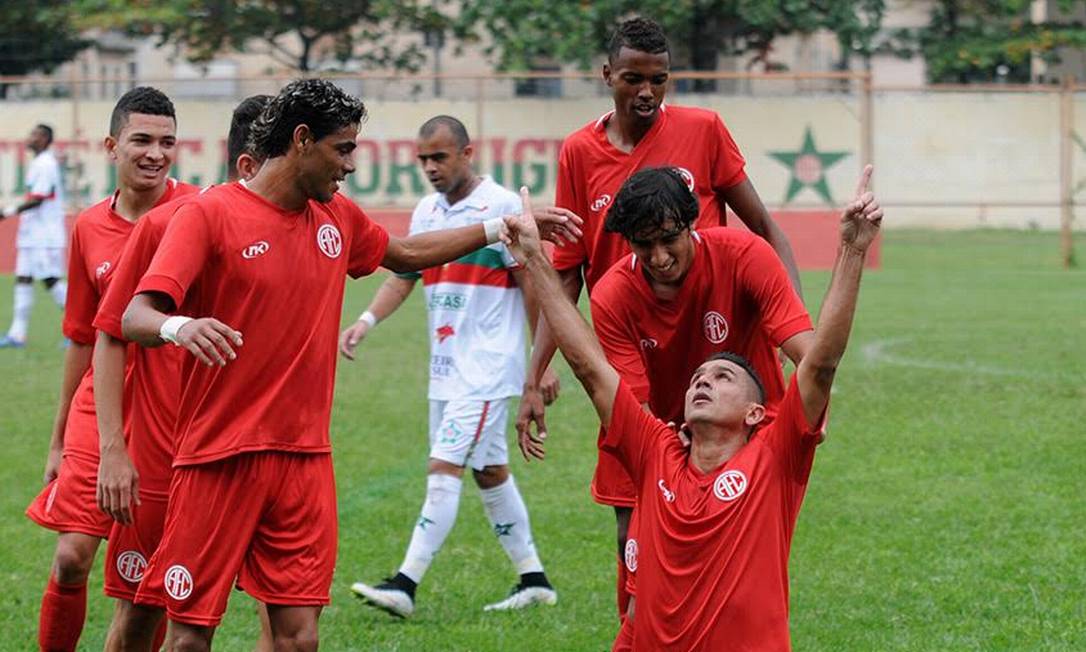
[(178, 582), (602, 202), (715, 326), (131, 564), (688, 177), (329, 241), (668, 495), (258, 248), (631, 555), (102, 269), (730, 485)]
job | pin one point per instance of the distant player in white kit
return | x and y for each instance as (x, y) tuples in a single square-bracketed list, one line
[(41, 239), (477, 346)]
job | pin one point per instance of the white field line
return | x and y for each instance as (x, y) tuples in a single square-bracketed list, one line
[(878, 352)]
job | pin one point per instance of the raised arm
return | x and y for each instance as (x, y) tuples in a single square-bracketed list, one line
[(571, 332), (860, 225), (744, 200), (390, 296)]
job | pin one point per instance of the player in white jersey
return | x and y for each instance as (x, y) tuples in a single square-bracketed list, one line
[(41, 238), (476, 317)]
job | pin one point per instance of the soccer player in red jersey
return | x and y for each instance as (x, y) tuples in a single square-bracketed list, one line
[(252, 500), (136, 415), (141, 142), (717, 515), (594, 161)]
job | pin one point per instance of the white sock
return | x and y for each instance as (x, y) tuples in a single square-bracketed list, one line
[(507, 513), (59, 292), (435, 521), (24, 302)]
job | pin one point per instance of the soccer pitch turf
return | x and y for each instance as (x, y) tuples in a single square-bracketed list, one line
[(945, 510)]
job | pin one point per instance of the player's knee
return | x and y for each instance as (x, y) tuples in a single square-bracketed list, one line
[(136, 625), (442, 467), (72, 561), (491, 476), (306, 639), (189, 639)]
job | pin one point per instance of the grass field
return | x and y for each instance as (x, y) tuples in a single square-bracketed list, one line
[(945, 512)]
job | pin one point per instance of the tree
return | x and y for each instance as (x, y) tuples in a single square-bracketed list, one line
[(986, 40), (361, 31), (35, 36)]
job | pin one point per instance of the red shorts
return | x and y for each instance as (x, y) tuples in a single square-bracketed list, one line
[(68, 504), (265, 519), (130, 546), (611, 485)]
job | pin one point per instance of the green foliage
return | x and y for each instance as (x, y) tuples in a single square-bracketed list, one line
[(36, 36), (358, 31)]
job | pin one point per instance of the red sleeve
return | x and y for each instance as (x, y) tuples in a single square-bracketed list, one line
[(728, 165), (369, 242), (790, 435), (134, 261), (185, 247), (82, 301), (569, 255), (632, 433), (620, 344), (763, 276)]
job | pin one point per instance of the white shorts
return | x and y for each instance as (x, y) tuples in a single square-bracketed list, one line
[(39, 262), (469, 433)]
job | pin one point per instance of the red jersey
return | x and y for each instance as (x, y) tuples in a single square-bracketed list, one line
[(278, 278), (154, 384), (712, 550), (737, 297), (591, 171), (98, 237)]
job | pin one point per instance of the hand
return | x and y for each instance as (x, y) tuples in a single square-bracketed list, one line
[(862, 218), (558, 225), (531, 411), (52, 465), (351, 336), (118, 485), (681, 432), (209, 340), (521, 233), (549, 386)]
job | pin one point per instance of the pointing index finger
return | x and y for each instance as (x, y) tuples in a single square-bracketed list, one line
[(526, 201), (865, 178)]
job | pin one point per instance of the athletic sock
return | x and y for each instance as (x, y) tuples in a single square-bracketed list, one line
[(509, 517), (59, 292), (63, 610), (435, 521), (24, 302)]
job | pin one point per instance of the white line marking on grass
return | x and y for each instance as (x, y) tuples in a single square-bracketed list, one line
[(878, 352)]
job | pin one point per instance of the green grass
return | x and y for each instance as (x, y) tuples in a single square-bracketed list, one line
[(945, 511)]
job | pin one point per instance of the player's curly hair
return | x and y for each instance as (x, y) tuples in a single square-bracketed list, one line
[(648, 200), (240, 124), (317, 103), (743, 364), (141, 99), (638, 33)]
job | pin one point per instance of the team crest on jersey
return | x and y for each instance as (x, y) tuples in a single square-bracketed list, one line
[(631, 555), (329, 241), (258, 248), (715, 326), (602, 202), (130, 565), (730, 485), (178, 582), (102, 269), (687, 176)]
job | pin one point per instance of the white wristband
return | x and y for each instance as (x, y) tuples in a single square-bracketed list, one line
[(369, 318), (492, 227), (168, 331), (11, 211)]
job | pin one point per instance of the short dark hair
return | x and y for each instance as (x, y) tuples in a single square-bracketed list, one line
[(141, 99), (48, 132), (638, 33), (650, 198), (244, 115), (455, 127), (317, 103), (745, 365)]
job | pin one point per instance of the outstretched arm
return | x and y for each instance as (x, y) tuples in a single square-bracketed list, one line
[(571, 332), (860, 225)]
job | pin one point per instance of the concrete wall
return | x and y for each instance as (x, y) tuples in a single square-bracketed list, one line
[(964, 153)]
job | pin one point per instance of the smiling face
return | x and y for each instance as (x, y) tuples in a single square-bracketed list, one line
[(722, 393), (666, 252), (638, 82), (143, 150), (323, 164)]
